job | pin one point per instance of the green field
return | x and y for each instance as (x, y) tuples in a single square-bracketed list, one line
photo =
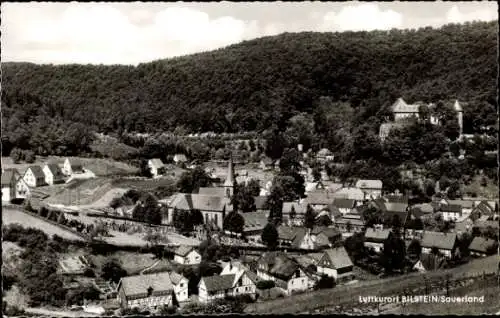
[(10, 216)]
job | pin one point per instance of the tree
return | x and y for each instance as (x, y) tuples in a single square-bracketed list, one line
[(265, 285), (148, 210), (243, 199), (394, 253), (316, 174), (325, 282), (234, 222), (324, 220), (144, 170), (354, 246), (191, 181), (16, 155), (270, 236), (372, 216), (348, 226), (309, 218), (113, 271)]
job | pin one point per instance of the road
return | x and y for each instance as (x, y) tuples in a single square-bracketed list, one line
[(59, 313)]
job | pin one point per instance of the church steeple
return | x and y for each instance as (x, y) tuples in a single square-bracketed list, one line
[(230, 179)]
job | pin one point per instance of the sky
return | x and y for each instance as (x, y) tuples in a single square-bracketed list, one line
[(139, 32)]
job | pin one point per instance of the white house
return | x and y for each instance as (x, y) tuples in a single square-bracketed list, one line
[(22, 189), (150, 291), (215, 287), (187, 255), (72, 166), (244, 281), (285, 272), (337, 264), (446, 243), (53, 174), (374, 238), (344, 205), (34, 176), (180, 158), (451, 211), (371, 188), (324, 155), (9, 181), (180, 284), (156, 167), (481, 246)]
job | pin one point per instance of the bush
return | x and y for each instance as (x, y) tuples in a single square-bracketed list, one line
[(89, 272), (29, 156), (325, 282), (265, 284)]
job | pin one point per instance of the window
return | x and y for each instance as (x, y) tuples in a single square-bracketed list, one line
[(206, 218), (216, 218), (181, 285)]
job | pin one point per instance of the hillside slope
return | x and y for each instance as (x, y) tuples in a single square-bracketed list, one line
[(246, 86)]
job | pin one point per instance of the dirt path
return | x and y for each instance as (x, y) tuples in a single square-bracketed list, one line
[(150, 267)]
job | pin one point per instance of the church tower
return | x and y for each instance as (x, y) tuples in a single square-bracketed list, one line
[(460, 114), (230, 179)]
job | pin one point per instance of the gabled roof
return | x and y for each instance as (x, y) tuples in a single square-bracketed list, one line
[(394, 198), (454, 208), (75, 164), (267, 161), (466, 204), (8, 175), (55, 170), (481, 244), (419, 210), (320, 197), (369, 184), (338, 257), (137, 286), (298, 207), (156, 163), (261, 202), (378, 236), (187, 201), (400, 106), (254, 220), (218, 282), (180, 157), (183, 250), (284, 267), (213, 191), (324, 152), (37, 172), (176, 278), (356, 222), (350, 193), (484, 208), (334, 211), (343, 203), (432, 262), (290, 233), (440, 240), (457, 107)]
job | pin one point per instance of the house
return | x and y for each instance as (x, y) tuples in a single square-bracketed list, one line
[(375, 238), (53, 174), (314, 186), (180, 158), (310, 241), (344, 205), (324, 155), (371, 188), (446, 243), (150, 291), (401, 110), (466, 205), (213, 208), (72, 166), (157, 167), (386, 128), (34, 176), (483, 208), (215, 287), (287, 274), (336, 263), (351, 193), (266, 164), (319, 200), (481, 246), (451, 211), (244, 281), (181, 285), (254, 224), (261, 203), (290, 236), (212, 191), (391, 211), (332, 234), (348, 225), (10, 179), (187, 255), (293, 213), (422, 210), (430, 262)]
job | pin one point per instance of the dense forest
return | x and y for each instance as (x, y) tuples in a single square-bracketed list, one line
[(334, 85)]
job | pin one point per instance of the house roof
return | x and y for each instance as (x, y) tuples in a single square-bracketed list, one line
[(334, 211), (261, 202), (180, 157), (440, 240), (75, 164), (213, 191), (311, 186), (457, 107), (455, 208), (395, 198), (324, 152), (300, 208), (338, 257), (320, 197), (329, 232), (424, 208), (218, 282), (176, 278), (284, 267), (481, 244), (156, 163), (138, 285), (373, 235), (486, 224), (183, 250), (254, 220), (356, 222), (37, 172), (8, 175), (350, 193), (465, 204), (55, 170), (188, 201), (343, 203), (369, 184), (484, 208), (432, 262), (400, 106), (290, 233)]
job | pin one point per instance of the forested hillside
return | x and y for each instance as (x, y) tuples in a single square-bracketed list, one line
[(253, 85)]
